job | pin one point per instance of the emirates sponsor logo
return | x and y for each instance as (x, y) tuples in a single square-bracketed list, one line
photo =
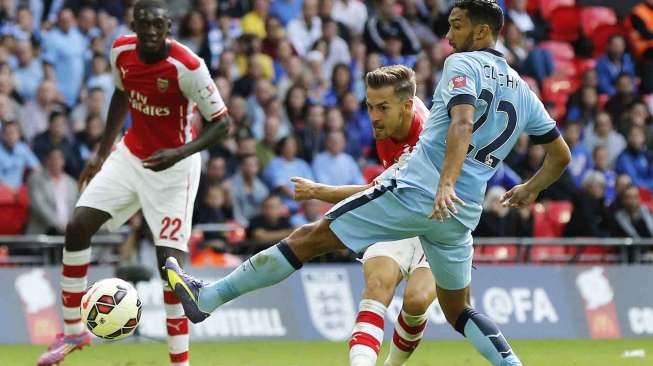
[(139, 103)]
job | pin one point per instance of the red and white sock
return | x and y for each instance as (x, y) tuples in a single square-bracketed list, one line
[(409, 330), (177, 326), (367, 336), (73, 286)]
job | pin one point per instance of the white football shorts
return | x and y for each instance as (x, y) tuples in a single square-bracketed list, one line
[(123, 186), (408, 254)]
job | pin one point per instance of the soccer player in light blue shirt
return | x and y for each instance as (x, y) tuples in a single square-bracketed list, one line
[(480, 107)]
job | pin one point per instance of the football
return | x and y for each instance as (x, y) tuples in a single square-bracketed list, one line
[(111, 309)]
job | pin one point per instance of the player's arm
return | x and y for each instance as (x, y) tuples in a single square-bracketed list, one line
[(306, 189), (460, 132), (556, 160), (118, 109)]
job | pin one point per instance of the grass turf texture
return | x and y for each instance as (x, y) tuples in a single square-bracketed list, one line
[(431, 353)]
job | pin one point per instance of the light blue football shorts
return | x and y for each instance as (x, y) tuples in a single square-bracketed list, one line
[(387, 213)]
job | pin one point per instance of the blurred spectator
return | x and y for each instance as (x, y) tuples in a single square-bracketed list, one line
[(87, 141), (286, 10), (313, 136), (7, 108), (352, 13), (275, 34), (35, 114), (392, 53), (519, 153), (581, 157), (334, 167), (585, 111), (29, 71), (15, 157), (278, 172), (641, 40), (55, 137), (64, 47), (193, 33), (590, 217), (358, 127), (28, 23), (601, 165), (498, 220), (632, 220), (635, 160), (601, 133), (311, 212), (211, 209), (337, 51), (53, 195), (265, 149), (305, 30), (296, 107), (216, 174), (518, 15), (94, 105), (244, 86), (341, 84), (86, 23), (247, 191), (422, 30), (387, 23), (101, 78), (270, 226), (622, 99), (623, 182), (614, 62), (238, 113), (254, 21)]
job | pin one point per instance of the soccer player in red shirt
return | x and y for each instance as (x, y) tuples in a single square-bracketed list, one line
[(397, 116), (155, 167)]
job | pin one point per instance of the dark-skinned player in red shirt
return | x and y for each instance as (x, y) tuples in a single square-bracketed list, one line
[(155, 166), (397, 116)]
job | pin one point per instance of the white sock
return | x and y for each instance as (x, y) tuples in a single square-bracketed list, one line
[(406, 337), (73, 286), (367, 336), (177, 327)]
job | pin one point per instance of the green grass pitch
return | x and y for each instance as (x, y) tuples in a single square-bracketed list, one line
[(258, 353)]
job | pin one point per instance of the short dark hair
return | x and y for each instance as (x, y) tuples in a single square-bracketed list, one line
[(400, 77), (483, 12), (150, 4)]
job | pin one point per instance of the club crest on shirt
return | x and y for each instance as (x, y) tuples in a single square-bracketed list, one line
[(457, 82), (162, 84)]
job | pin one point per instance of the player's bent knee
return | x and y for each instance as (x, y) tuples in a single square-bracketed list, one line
[(417, 303), (380, 288), (313, 240)]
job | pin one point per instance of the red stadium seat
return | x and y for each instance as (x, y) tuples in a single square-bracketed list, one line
[(565, 23), (549, 254), (591, 17), (584, 64), (551, 218), (496, 253), (559, 50), (601, 34), (556, 89), (547, 6)]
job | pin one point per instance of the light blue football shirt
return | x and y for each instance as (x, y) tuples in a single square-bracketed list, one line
[(505, 107)]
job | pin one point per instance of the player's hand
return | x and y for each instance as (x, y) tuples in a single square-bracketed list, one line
[(445, 203), (93, 166), (162, 159), (519, 196), (304, 188)]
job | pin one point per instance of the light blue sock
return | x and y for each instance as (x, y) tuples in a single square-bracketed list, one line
[(486, 338), (264, 269)]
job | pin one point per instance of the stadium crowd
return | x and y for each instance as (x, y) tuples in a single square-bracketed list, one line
[(292, 75)]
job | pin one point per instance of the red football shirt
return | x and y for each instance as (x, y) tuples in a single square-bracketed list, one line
[(163, 95), (390, 151)]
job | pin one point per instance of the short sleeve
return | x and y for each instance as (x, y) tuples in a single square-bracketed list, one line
[(460, 79), (198, 86), (115, 69), (540, 127)]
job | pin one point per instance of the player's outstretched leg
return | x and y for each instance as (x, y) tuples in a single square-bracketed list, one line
[(264, 269), (76, 257), (411, 322), (476, 327), (382, 274)]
